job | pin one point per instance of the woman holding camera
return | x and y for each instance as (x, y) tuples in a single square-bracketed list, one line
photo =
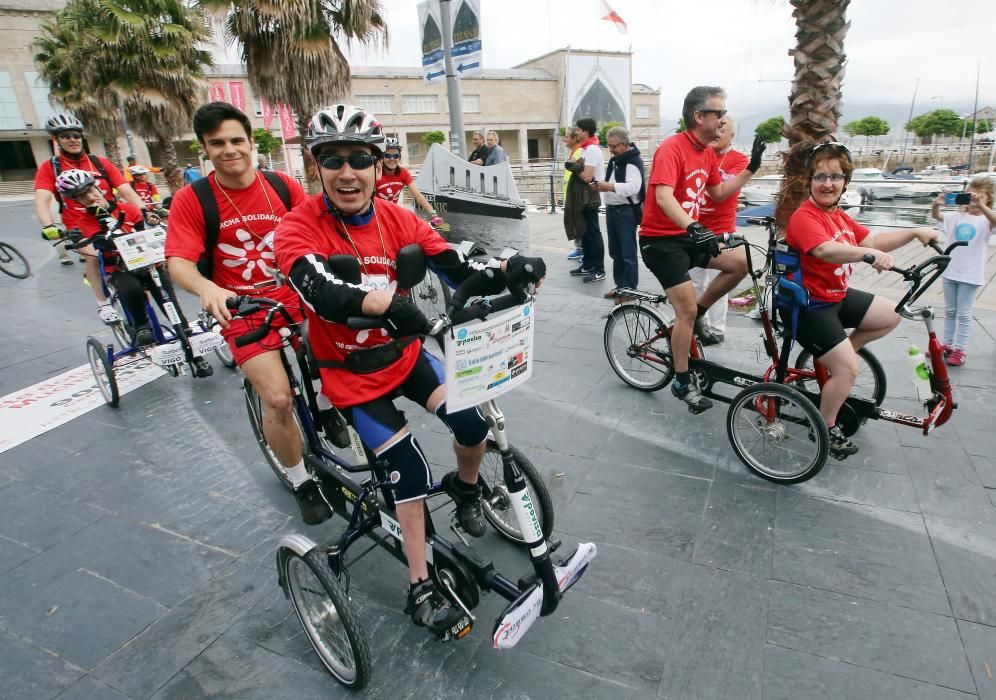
[(966, 273)]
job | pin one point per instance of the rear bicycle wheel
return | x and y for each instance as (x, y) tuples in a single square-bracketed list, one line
[(328, 617), (497, 503), (777, 433), (13, 263), (638, 348), (254, 407), (103, 372)]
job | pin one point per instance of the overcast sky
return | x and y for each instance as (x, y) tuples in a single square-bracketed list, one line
[(737, 43)]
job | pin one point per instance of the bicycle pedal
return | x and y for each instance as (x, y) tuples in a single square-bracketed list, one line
[(458, 630), (458, 529)]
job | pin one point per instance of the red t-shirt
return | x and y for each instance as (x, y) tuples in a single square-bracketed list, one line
[(312, 229), (145, 190), (689, 167), (390, 184), (90, 224), (73, 212), (810, 226), (721, 217), (244, 256)]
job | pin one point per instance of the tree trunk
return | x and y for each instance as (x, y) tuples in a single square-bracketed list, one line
[(113, 152), (170, 165), (815, 100)]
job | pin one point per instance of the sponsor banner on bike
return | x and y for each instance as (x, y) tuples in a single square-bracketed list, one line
[(485, 359), (142, 248), (236, 89), (30, 412)]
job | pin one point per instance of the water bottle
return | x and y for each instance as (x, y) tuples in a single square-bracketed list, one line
[(921, 374)]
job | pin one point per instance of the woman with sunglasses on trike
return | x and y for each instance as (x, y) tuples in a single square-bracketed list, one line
[(829, 243), (395, 177)]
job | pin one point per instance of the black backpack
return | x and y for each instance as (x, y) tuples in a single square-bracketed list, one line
[(212, 217), (57, 169)]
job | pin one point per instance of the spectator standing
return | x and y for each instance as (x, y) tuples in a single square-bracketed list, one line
[(479, 156), (133, 162), (592, 267), (496, 154), (261, 163), (720, 217), (623, 192), (191, 174), (573, 146)]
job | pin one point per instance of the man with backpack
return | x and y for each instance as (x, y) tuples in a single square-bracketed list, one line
[(219, 244)]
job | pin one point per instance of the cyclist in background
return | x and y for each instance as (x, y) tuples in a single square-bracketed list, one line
[(395, 178), (68, 133), (146, 189), (363, 372)]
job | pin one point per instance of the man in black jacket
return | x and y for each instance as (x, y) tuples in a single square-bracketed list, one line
[(624, 190)]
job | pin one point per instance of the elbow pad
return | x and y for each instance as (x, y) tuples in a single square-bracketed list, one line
[(327, 295)]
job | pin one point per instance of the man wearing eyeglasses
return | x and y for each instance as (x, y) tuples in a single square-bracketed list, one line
[(219, 244), (685, 171), (68, 133)]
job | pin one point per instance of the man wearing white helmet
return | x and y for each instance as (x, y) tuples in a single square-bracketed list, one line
[(144, 188), (395, 178), (68, 133), (362, 372)]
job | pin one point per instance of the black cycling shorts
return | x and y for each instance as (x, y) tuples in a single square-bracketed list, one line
[(821, 328), (670, 258)]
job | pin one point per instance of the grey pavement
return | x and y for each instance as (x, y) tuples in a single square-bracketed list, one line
[(137, 545)]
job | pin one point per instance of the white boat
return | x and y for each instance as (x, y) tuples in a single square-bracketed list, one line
[(761, 190), (873, 184)]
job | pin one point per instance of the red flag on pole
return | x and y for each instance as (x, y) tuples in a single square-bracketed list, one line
[(288, 129), (613, 16), (267, 110), (235, 89), (217, 91)]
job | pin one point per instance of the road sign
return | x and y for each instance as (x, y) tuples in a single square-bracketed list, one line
[(466, 53)]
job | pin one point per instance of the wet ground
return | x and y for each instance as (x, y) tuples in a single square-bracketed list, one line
[(137, 545)]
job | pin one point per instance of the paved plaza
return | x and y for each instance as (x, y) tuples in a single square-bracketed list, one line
[(137, 545)]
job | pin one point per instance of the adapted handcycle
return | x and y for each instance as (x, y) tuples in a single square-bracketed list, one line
[(773, 424), (12, 262), (315, 577), (176, 344)]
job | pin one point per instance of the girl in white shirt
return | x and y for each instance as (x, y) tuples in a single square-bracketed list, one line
[(965, 275)]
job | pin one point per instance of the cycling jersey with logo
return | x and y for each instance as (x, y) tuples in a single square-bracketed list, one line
[(145, 190), (390, 184), (810, 226), (689, 167), (312, 229), (73, 212), (721, 217), (243, 257)]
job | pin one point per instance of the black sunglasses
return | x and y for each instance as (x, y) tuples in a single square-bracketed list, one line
[(357, 161), (72, 135), (718, 112), (392, 156)]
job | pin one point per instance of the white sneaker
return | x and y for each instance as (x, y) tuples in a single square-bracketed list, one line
[(107, 314), (754, 313)]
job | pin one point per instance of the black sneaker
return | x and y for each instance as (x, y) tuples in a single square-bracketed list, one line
[(468, 502), (202, 368), (581, 271), (691, 396), (335, 427), (67, 261), (840, 446), (313, 507), (430, 609), (594, 277), (704, 333), (143, 336)]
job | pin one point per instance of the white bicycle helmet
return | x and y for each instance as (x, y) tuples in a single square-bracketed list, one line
[(342, 123), (391, 142), (63, 121), (73, 182), (138, 170)]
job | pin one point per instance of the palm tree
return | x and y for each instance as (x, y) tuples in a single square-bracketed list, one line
[(292, 49), (142, 56), (816, 98)]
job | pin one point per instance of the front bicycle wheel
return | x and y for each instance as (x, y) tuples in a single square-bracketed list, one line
[(103, 372), (431, 295), (223, 351), (638, 347), (254, 407), (497, 502), (777, 433), (12, 262), (328, 617), (120, 328), (870, 384)]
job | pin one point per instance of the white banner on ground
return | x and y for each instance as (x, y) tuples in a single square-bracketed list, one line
[(486, 358), (30, 412)]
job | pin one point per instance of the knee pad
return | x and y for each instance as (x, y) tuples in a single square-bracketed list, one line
[(468, 426), (409, 470)]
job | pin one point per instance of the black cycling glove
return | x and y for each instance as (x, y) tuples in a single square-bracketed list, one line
[(756, 151), (403, 318), (521, 270), (704, 238)]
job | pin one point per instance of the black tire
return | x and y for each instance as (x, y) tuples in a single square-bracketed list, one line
[(120, 328), (328, 618), (224, 353), (497, 506), (103, 373), (13, 263), (635, 353), (870, 384), (254, 406), (796, 437)]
